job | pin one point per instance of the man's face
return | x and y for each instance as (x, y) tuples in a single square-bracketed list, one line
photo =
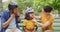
[(15, 10)]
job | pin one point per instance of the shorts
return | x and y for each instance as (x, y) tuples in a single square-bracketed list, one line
[(29, 30), (47, 31), (40, 30), (13, 30)]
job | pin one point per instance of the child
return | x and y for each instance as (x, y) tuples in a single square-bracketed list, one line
[(47, 19), (29, 24)]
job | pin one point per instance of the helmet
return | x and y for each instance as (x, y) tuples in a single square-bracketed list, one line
[(29, 10), (12, 5)]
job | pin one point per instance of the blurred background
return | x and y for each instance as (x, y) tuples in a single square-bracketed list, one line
[(37, 6)]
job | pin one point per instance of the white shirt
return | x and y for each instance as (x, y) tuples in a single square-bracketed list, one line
[(12, 24)]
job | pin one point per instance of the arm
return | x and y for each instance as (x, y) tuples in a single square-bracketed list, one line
[(37, 23), (46, 24), (8, 21), (18, 17), (43, 25), (24, 25), (38, 17)]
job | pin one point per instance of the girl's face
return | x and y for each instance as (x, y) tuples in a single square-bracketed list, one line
[(31, 15)]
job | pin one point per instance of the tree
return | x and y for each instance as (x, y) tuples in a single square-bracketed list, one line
[(37, 4), (23, 4), (56, 5)]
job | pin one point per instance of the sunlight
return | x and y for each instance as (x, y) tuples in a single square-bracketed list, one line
[(4, 0)]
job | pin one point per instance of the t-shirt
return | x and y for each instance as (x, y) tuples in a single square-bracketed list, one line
[(12, 24), (29, 24), (50, 18)]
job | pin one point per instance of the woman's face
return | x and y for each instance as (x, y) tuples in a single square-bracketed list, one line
[(31, 15)]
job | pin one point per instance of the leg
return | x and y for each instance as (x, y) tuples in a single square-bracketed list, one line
[(34, 30), (8, 30), (49, 31), (17, 30), (41, 30), (26, 30)]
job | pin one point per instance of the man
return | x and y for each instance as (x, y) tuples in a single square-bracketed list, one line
[(10, 18)]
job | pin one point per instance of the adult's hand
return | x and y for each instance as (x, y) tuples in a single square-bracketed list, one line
[(4, 25)]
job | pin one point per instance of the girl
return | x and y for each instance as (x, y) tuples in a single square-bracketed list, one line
[(29, 24)]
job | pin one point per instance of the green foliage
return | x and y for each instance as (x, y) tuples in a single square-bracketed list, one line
[(1, 5), (56, 5), (23, 4), (37, 4)]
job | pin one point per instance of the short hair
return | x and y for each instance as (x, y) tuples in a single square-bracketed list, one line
[(47, 9), (27, 16)]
